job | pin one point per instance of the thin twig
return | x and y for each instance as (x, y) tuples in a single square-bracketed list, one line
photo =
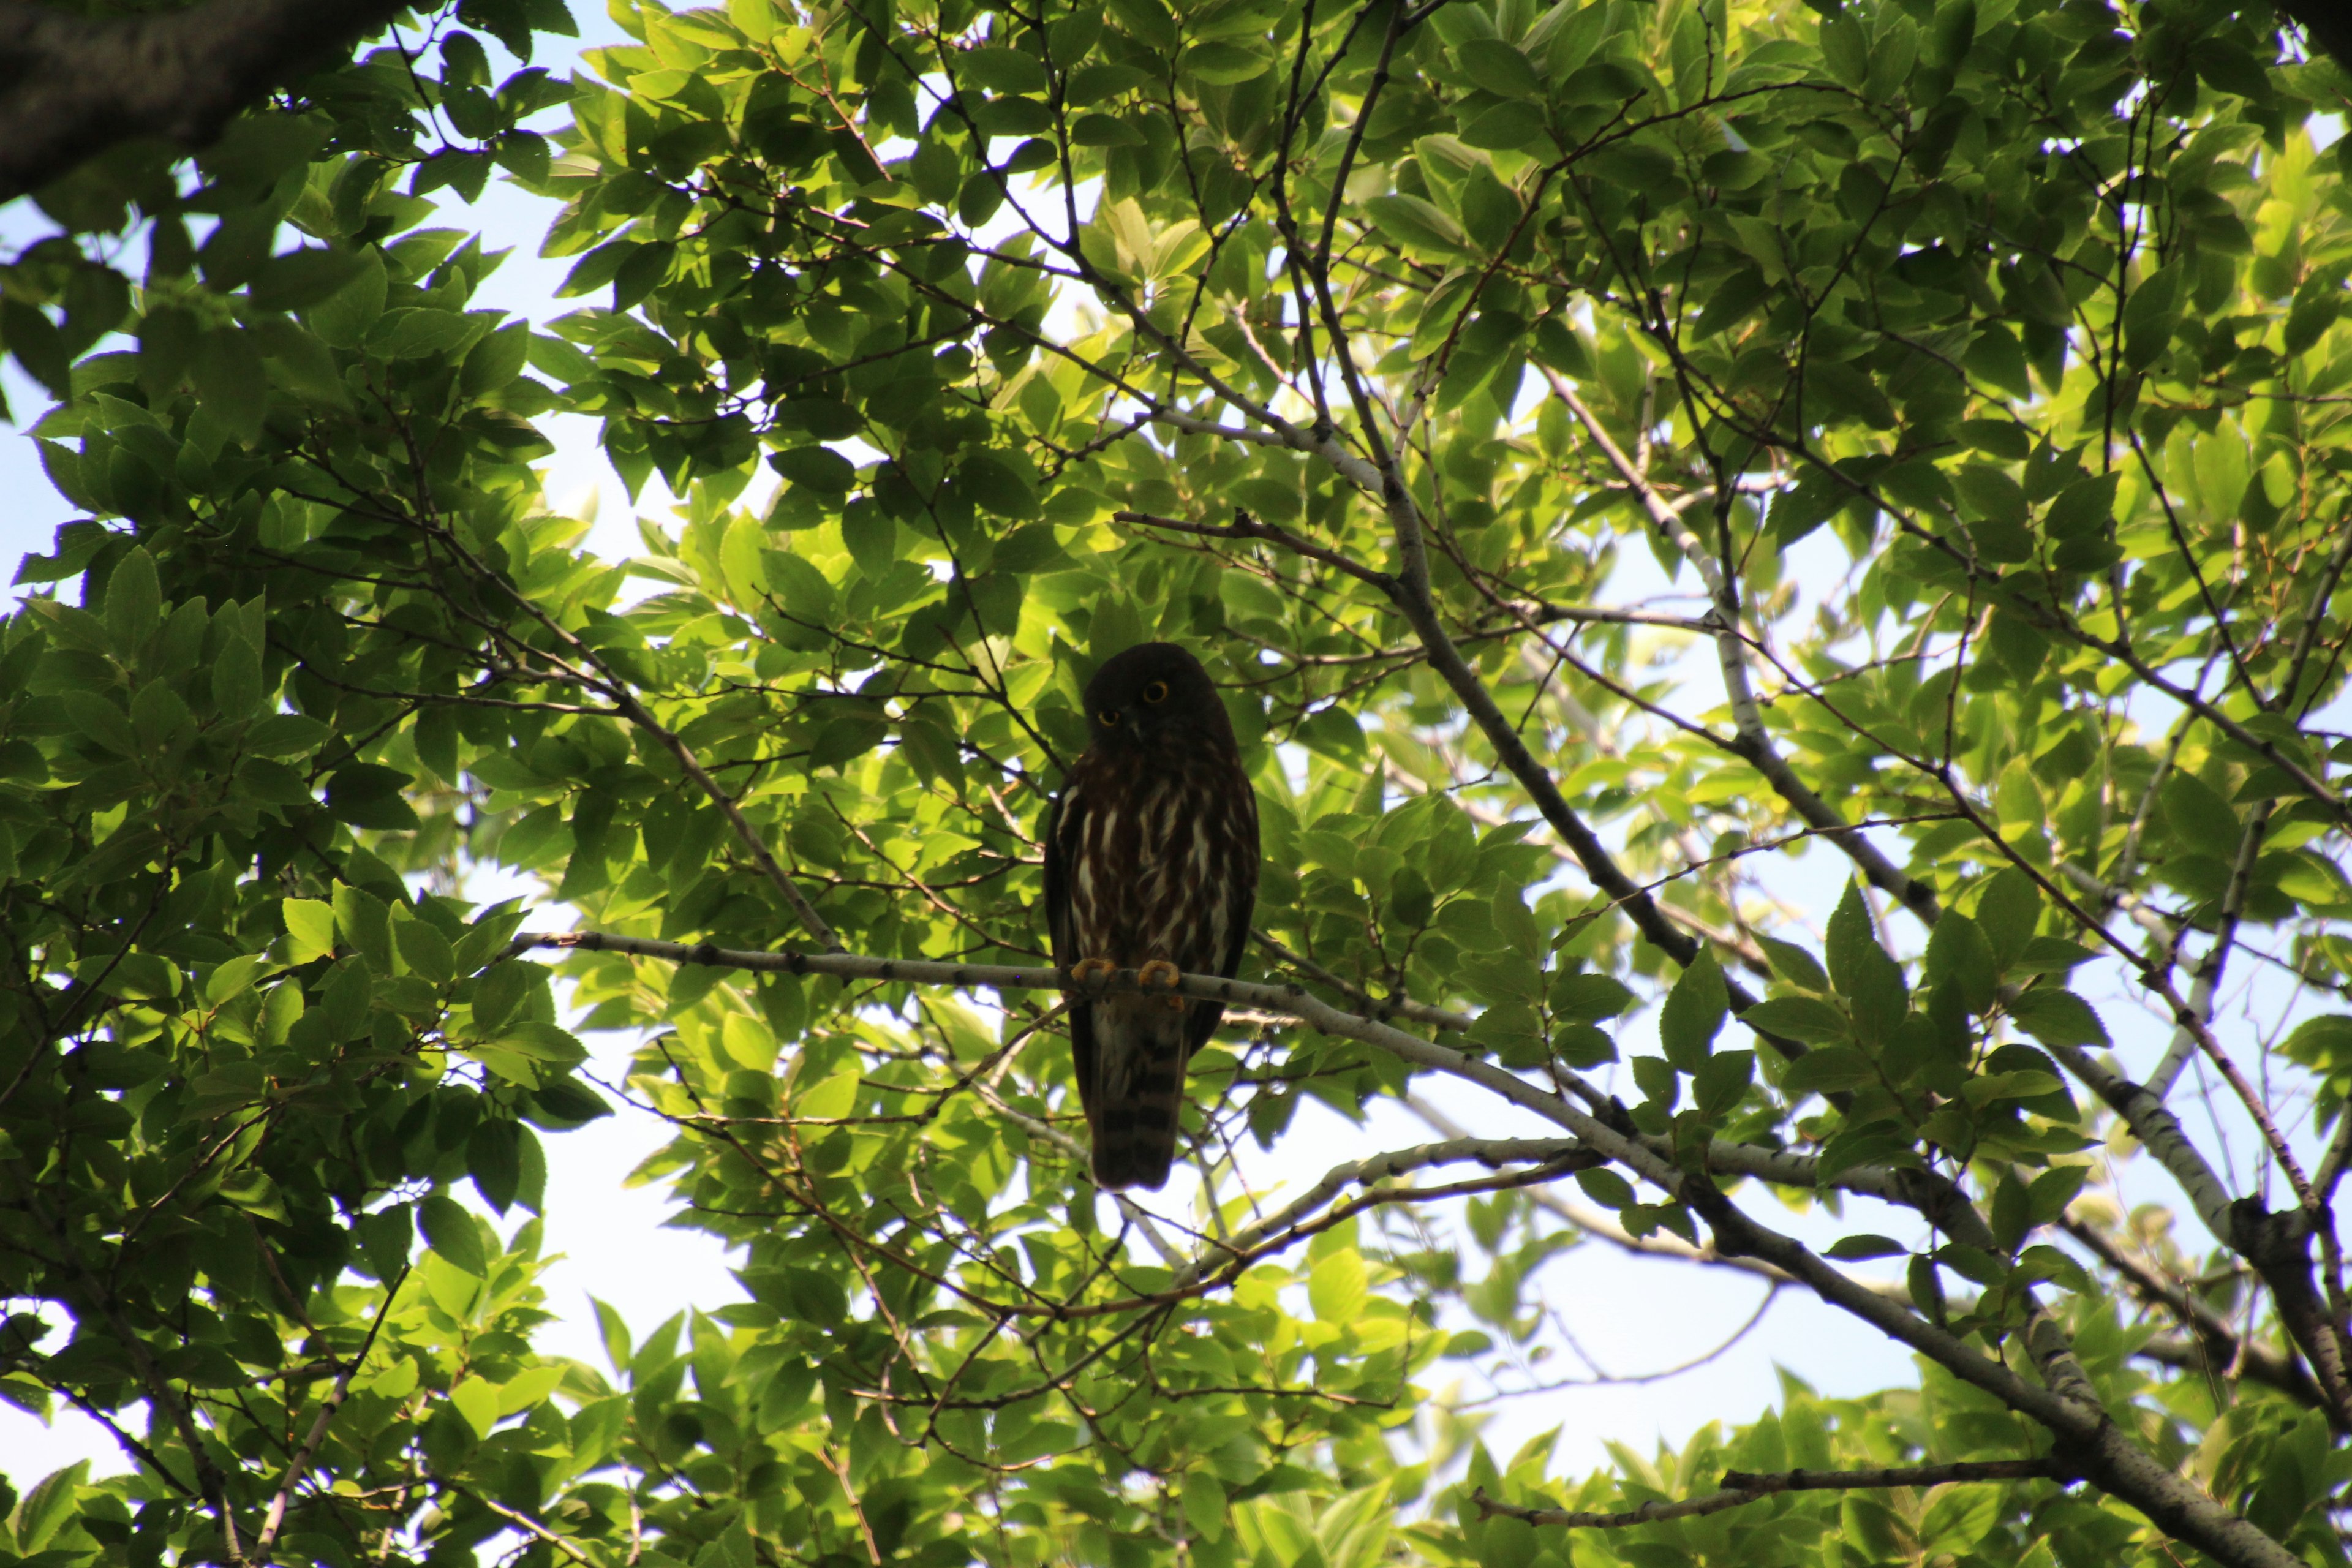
[(1739, 1487), (275, 1517)]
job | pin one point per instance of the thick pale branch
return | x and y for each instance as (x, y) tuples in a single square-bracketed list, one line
[(2208, 976), (2160, 1131), (2104, 1453)]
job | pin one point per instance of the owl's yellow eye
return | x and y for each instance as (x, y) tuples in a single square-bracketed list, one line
[(1110, 717), (1156, 692)]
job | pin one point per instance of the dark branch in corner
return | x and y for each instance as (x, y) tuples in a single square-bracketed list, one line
[(2326, 25), (71, 86)]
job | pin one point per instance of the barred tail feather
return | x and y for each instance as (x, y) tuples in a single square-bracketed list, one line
[(1137, 1091)]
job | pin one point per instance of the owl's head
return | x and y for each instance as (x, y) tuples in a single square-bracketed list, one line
[(1152, 691)]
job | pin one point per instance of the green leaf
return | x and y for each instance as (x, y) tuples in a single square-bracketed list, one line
[(2007, 912), (494, 1161), (134, 606), (1204, 1498), (477, 1400), (1336, 1287), (1957, 950), (2052, 1190), (1722, 1082), (365, 923), (1105, 130), (284, 735), (2149, 317), (1587, 998), (1506, 126), (1417, 225), (426, 949), (1605, 1187), (415, 333), (232, 978), (739, 549), (297, 279), (1831, 1070), (1846, 49), (368, 796), (2200, 818), (1003, 70), (1223, 64), (451, 1231), (1836, 389), (2057, 1017), (997, 485), (1499, 67), (833, 1098), (1870, 981), (231, 381), (344, 318), (1799, 1018), (819, 467), (1694, 1013), (310, 924), (2323, 1043), (541, 1043), (1793, 963), (495, 360)]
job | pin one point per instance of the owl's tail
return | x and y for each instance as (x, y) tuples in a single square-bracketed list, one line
[(1139, 1050)]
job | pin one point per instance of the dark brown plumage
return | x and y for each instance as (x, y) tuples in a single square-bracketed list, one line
[(1150, 863)]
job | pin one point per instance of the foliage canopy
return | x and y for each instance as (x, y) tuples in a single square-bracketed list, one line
[(1967, 377)]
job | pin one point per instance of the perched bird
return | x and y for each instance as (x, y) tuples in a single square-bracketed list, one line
[(1150, 864)]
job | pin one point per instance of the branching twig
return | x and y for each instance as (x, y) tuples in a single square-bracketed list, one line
[(1740, 1486)]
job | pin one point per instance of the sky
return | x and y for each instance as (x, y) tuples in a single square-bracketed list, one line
[(1631, 1316)]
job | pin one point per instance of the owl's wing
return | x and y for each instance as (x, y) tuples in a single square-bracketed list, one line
[(1064, 840), (1064, 832), (1241, 902), (1057, 877)]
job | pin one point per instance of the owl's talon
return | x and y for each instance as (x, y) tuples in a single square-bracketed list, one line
[(1159, 972), (1089, 973)]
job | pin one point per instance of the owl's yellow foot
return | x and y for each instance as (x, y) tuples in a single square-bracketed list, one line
[(1160, 973), (1089, 973)]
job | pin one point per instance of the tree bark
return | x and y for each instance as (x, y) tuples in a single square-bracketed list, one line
[(71, 86)]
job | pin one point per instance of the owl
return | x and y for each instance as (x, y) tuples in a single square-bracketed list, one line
[(1151, 862)]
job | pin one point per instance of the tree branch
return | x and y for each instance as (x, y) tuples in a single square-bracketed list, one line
[(1740, 1486), (1752, 742), (2106, 1454), (2214, 1341), (71, 85), (1547, 1156), (275, 1519), (2207, 978)]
